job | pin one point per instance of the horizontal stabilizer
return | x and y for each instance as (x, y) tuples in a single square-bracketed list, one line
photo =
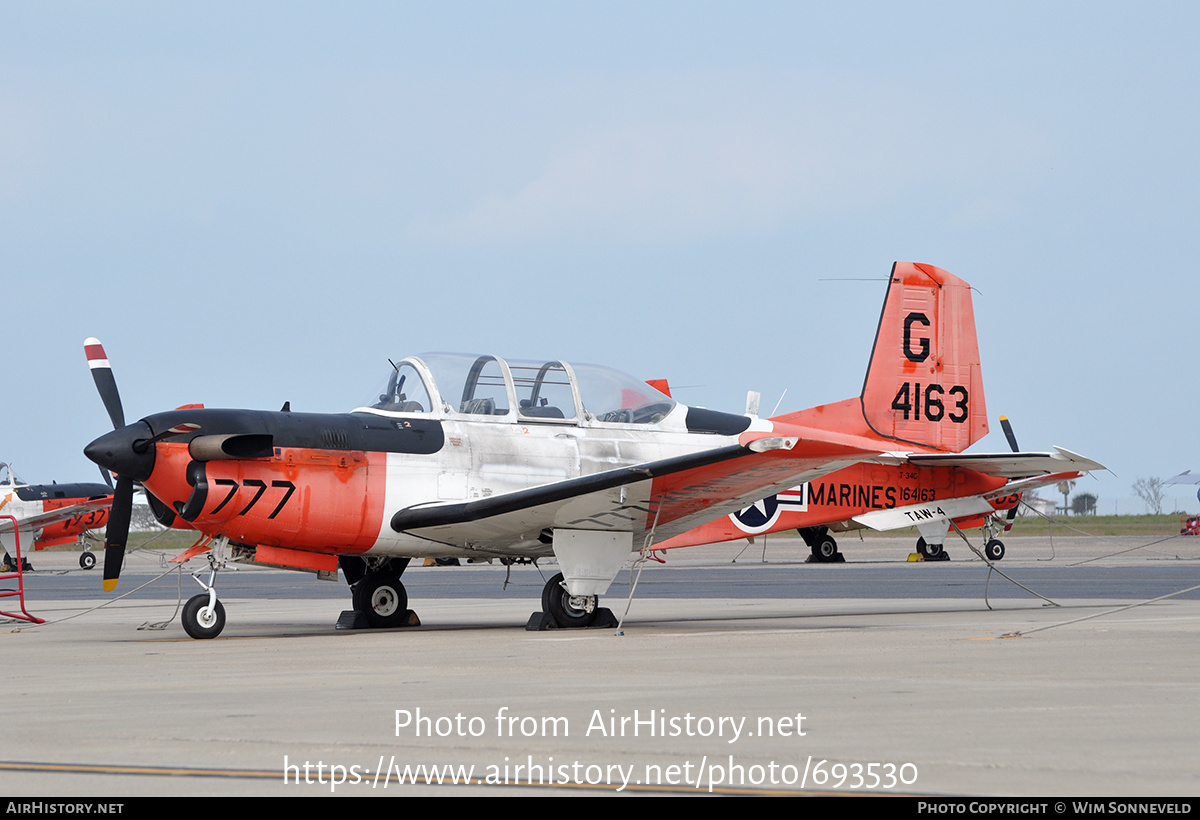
[(1010, 465)]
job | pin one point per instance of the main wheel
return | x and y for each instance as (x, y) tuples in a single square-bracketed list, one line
[(202, 621), (87, 560), (825, 550), (931, 551), (382, 599), (994, 549), (568, 612)]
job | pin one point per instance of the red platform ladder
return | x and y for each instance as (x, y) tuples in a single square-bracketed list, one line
[(19, 592)]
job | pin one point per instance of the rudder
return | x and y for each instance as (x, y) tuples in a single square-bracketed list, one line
[(924, 384)]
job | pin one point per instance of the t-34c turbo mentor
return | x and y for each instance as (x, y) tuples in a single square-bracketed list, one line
[(479, 456), (48, 514)]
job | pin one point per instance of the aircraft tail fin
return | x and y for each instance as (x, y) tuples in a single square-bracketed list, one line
[(923, 386)]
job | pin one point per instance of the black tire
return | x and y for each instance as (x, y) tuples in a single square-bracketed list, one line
[(933, 552), (557, 602), (87, 560), (382, 599), (200, 622), (994, 549), (825, 551)]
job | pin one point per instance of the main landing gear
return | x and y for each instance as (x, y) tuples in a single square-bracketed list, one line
[(824, 548), (382, 600), (931, 551), (562, 610), (568, 610), (379, 598), (87, 559), (8, 564)]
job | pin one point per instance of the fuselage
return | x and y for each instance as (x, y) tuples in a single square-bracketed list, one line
[(331, 483)]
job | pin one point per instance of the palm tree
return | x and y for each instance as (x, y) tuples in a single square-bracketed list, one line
[(1065, 488)]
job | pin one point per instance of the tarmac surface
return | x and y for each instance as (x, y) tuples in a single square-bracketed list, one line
[(778, 677)]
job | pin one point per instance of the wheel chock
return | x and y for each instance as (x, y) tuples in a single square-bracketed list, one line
[(541, 621), (353, 619)]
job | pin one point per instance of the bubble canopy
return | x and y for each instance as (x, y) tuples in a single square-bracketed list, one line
[(488, 387)]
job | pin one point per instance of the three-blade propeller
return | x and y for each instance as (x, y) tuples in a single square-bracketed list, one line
[(127, 451), (122, 507), (1012, 442), (105, 383)]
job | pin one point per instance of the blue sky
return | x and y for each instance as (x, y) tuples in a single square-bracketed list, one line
[(253, 203)]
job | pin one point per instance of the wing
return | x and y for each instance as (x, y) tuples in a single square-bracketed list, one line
[(668, 496), (45, 519)]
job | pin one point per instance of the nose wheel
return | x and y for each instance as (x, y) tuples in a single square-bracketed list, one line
[(994, 549), (203, 616)]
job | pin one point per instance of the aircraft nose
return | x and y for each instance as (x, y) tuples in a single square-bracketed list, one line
[(126, 451)]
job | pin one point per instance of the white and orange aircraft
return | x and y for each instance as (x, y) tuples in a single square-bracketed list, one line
[(49, 514), (477, 456)]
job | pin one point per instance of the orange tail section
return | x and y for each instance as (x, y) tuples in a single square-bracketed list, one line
[(924, 385)]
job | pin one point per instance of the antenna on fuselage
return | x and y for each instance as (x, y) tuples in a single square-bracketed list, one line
[(773, 412)]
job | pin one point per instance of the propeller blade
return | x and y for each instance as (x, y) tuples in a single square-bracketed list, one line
[(1008, 434), (107, 477), (105, 383), (1012, 442), (118, 532)]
